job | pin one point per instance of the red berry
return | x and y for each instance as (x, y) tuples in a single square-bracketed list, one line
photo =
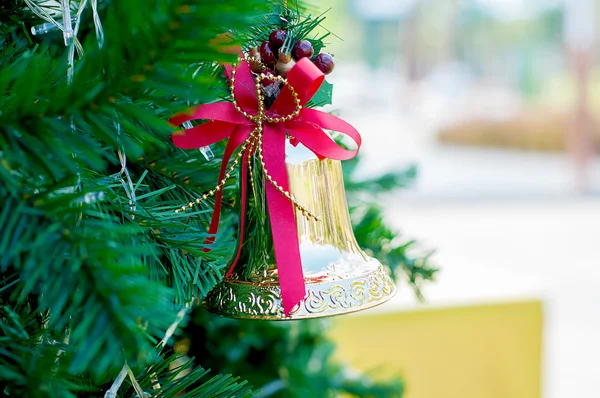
[(276, 39), (267, 56), (302, 49), (324, 62)]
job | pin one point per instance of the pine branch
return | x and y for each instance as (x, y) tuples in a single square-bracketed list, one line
[(174, 376), (88, 281), (139, 85), (283, 359), (28, 358), (103, 272), (258, 253)]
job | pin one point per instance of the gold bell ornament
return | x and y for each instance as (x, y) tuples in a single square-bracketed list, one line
[(297, 256), (339, 277)]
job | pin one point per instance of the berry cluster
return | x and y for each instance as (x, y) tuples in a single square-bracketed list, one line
[(278, 55)]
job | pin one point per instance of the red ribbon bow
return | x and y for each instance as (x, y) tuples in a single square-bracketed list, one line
[(225, 121)]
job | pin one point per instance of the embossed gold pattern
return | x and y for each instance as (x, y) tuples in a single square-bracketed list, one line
[(239, 299), (339, 277)]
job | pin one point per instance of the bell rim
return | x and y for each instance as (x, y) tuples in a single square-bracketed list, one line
[(305, 317), (249, 303)]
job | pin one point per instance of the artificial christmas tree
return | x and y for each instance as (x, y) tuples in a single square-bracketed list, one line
[(98, 271)]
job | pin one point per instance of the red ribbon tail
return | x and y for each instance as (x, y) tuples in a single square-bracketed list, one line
[(283, 222), (237, 138)]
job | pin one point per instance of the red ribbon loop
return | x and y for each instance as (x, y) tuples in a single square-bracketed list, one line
[(306, 79), (224, 121)]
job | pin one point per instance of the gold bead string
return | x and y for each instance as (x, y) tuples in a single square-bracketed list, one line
[(305, 212), (255, 62), (227, 175), (259, 119), (220, 185), (254, 141)]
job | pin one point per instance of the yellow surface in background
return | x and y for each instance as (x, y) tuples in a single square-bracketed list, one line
[(491, 351)]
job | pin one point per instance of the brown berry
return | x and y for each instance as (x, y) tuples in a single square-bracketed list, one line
[(267, 56), (302, 49), (276, 39), (324, 62)]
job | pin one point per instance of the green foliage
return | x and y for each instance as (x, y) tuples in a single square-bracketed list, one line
[(258, 252), (94, 269), (95, 263), (283, 359), (294, 21), (28, 355), (176, 376), (323, 96)]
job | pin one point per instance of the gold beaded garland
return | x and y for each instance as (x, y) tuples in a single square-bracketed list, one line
[(254, 141)]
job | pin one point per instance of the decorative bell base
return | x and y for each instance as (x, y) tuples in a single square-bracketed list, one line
[(335, 294), (339, 277)]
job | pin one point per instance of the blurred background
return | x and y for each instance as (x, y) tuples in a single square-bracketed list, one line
[(496, 102)]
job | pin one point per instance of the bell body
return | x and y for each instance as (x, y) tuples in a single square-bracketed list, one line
[(339, 277)]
